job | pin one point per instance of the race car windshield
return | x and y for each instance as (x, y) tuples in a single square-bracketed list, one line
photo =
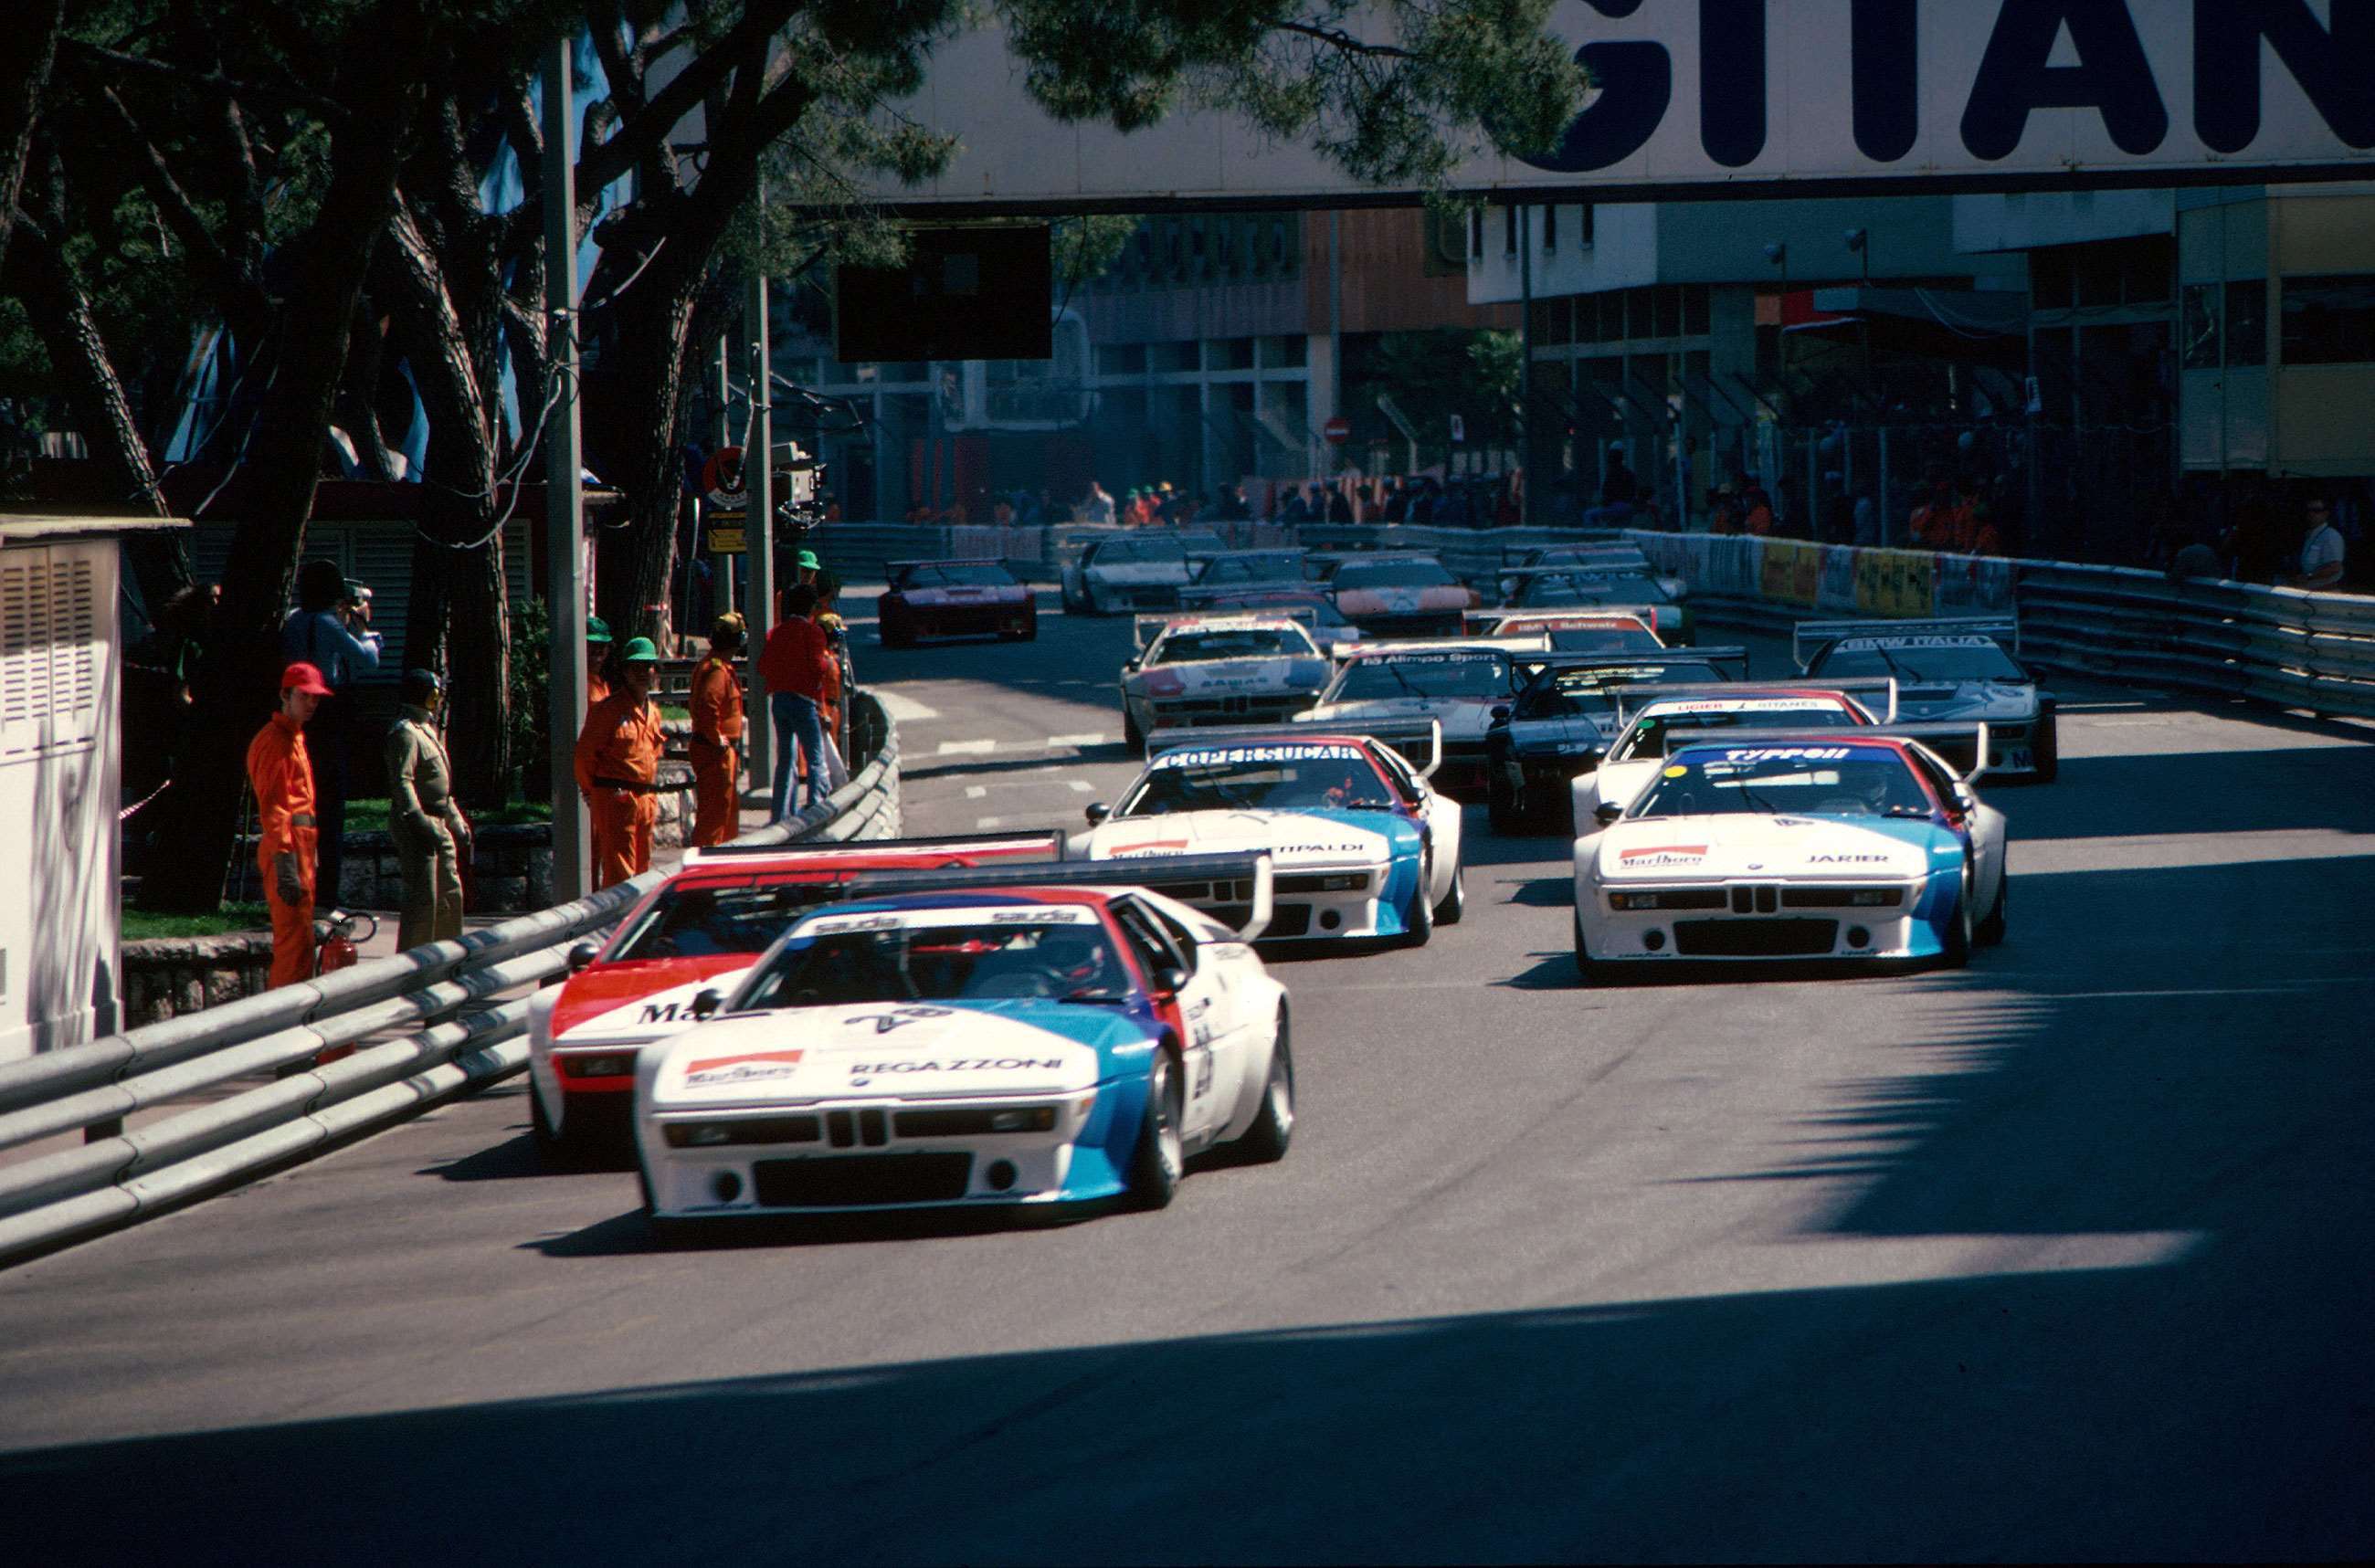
[(1602, 639), (1910, 666), (1132, 552), (1799, 781), (941, 963), (1625, 588), (1358, 574), (1571, 693), (696, 921), (1369, 680), (958, 574), (1299, 783), (1251, 642), (1659, 734), (1252, 568)]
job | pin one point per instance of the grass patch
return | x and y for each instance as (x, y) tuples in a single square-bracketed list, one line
[(139, 924), (369, 813)]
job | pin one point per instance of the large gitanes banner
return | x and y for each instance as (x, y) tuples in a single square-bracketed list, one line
[(1768, 95)]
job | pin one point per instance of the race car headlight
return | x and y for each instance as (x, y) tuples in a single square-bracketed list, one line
[(1874, 898), (698, 1135), (757, 1129), (1038, 1118), (620, 1064), (1709, 898)]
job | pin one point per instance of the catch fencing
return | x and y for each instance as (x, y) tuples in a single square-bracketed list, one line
[(423, 1026)]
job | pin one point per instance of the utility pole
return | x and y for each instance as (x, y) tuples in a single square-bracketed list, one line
[(1335, 322), (1526, 355), (758, 527), (564, 519), (721, 436)]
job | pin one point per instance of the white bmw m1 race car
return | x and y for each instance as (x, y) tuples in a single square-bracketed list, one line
[(973, 1039), (1218, 671), (1365, 847), (1654, 720), (1951, 675), (1851, 845)]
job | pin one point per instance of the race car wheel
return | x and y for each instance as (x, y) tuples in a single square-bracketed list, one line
[(1582, 956), (895, 633), (1029, 632), (559, 1147), (1501, 806), (1266, 1140), (1455, 902), (2047, 752), (1991, 930), (1132, 735), (1160, 1159), (1419, 919), (1957, 950)]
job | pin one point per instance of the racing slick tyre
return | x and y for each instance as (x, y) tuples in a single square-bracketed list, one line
[(1455, 902), (1132, 735), (1029, 632), (661, 1233), (2047, 752), (1582, 955), (1158, 1162), (1991, 930), (895, 633), (555, 1147), (1418, 920), (1501, 807), (1266, 1141), (1957, 952)]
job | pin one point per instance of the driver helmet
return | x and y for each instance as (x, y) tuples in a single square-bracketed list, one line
[(1076, 960)]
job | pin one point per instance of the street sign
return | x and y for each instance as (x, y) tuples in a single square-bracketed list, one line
[(1338, 430), (727, 542)]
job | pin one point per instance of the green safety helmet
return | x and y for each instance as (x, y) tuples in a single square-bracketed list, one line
[(808, 561), (640, 651), (597, 629)]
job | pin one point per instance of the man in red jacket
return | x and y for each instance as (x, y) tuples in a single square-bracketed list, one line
[(794, 665), (282, 776)]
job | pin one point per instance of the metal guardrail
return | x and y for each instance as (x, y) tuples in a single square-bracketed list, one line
[(458, 1033)]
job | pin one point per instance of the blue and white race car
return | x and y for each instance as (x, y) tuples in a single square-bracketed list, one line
[(1363, 846), (1848, 845), (988, 1041), (1951, 675)]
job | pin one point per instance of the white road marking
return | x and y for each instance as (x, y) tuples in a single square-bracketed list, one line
[(1094, 738), (903, 710), (974, 792), (990, 821), (1081, 786), (967, 748)]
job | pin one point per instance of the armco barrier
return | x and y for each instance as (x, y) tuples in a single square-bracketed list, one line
[(2285, 646), (456, 1033)]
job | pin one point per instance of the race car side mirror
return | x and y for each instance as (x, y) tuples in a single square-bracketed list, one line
[(583, 954), (1501, 709), (1128, 666), (1096, 811), (1170, 980), (1607, 811), (706, 1003)]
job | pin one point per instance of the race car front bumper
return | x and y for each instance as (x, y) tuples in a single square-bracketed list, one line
[(856, 1155), (1751, 920), (1329, 902)]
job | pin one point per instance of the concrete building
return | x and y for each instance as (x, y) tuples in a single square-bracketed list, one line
[(1706, 340), (1213, 352), (60, 670)]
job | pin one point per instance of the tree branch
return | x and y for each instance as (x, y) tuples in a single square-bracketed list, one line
[(1337, 38), (90, 54), (634, 139)]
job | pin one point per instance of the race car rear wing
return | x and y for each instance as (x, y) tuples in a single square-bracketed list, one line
[(1014, 845), (1419, 741), (1486, 623), (1156, 871), (1810, 637), (1944, 738), (1633, 699), (1145, 628)]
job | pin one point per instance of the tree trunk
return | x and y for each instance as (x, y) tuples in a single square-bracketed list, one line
[(632, 403), (23, 73), (236, 687)]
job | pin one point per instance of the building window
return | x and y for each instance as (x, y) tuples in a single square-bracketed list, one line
[(2199, 335), (2330, 321), (2247, 321), (1550, 228), (1476, 232), (1509, 231), (1694, 309), (1584, 228)]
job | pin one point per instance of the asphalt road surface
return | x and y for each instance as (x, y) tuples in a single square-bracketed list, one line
[(2065, 1255)]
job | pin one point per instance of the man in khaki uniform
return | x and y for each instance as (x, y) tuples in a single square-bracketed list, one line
[(432, 835)]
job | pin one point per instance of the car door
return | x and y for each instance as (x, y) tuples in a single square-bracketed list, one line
[(1195, 1015), (1235, 1032)]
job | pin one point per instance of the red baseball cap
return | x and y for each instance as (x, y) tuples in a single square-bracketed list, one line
[(306, 678)]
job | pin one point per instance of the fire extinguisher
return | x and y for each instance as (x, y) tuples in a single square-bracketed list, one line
[(337, 947)]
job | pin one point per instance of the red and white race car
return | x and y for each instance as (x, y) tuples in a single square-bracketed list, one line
[(697, 930), (954, 598)]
